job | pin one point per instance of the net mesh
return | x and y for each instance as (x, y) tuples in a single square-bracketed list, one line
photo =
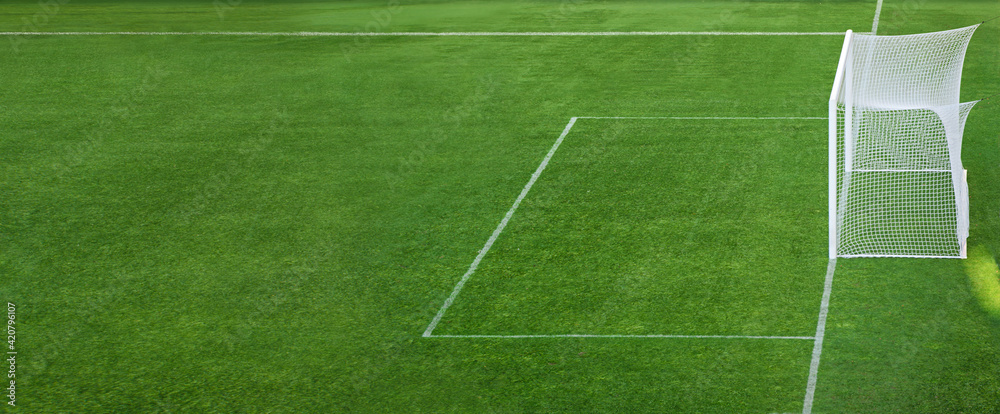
[(900, 181)]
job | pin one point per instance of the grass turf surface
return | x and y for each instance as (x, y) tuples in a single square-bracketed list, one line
[(250, 224)]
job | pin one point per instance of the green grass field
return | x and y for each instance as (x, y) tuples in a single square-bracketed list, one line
[(269, 224)]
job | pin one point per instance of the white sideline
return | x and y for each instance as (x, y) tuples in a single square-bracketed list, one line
[(704, 117), (352, 34), (496, 233), (824, 309), (624, 336), (878, 11)]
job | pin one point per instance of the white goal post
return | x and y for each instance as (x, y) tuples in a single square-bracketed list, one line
[(897, 185)]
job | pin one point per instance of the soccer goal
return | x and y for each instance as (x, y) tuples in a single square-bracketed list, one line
[(897, 184)]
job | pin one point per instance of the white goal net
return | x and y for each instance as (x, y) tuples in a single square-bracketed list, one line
[(897, 185)]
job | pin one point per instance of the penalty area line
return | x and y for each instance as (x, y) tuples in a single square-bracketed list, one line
[(496, 233), (710, 118), (810, 338)]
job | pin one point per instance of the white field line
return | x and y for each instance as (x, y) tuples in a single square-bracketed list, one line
[(824, 308), (354, 34), (428, 333), (496, 233), (878, 11), (810, 338), (705, 117)]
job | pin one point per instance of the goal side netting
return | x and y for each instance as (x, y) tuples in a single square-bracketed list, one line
[(897, 184)]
